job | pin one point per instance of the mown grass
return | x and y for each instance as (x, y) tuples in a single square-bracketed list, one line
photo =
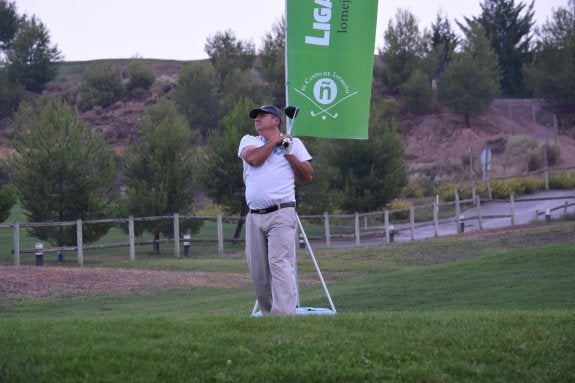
[(487, 308)]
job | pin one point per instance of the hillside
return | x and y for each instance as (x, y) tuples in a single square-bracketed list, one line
[(441, 141), (437, 144)]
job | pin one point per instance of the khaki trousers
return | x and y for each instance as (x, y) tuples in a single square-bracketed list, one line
[(270, 252)]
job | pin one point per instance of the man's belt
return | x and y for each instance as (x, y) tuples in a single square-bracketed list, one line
[(272, 208)]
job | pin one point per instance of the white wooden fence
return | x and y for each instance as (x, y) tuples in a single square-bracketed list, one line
[(346, 227)]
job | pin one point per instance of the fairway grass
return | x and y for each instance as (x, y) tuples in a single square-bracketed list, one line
[(495, 308)]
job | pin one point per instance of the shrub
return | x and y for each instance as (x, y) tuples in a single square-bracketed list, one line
[(101, 86), (446, 191), (400, 204), (532, 185), (419, 187), (501, 189), (563, 180), (553, 155), (535, 162), (140, 76), (417, 94)]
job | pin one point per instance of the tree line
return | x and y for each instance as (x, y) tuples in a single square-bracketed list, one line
[(62, 170)]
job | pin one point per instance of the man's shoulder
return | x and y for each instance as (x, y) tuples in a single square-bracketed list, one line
[(248, 138)]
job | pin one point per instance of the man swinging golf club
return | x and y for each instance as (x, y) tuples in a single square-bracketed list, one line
[(271, 162)]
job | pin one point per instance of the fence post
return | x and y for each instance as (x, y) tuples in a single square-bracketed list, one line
[(16, 244), (436, 216), (386, 223), (412, 221), (480, 218), (131, 238), (220, 235), (176, 235), (457, 212), (512, 207), (80, 242), (326, 228), (357, 241), (545, 154)]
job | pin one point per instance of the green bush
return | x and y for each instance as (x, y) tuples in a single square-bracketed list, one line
[(535, 161), (500, 189), (417, 94), (446, 191), (101, 86), (399, 204), (418, 187), (140, 76), (503, 189), (553, 155), (563, 180), (531, 185)]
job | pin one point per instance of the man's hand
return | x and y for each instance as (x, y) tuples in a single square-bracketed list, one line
[(287, 146)]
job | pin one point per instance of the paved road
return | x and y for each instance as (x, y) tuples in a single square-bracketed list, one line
[(525, 209)]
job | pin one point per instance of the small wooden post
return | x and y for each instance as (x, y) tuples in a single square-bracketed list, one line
[(480, 218), (512, 207), (457, 212), (220, 234), (176, 235), (386, 220), (16, 244), (131, 238), (357, 240), (326, 228), (436, 216), (412, 221), (80, 242)]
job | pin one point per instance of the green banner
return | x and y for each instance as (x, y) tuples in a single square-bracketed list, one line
[(329, 66)]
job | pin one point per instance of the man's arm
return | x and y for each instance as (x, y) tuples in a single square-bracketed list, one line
[(302, 169), (255, 156)]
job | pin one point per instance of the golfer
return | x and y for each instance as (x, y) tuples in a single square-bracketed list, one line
[(272, 161)]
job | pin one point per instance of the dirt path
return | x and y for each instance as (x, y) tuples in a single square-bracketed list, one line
[(35, 282)]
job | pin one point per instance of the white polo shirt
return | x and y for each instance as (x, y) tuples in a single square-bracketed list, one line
[(273, 182)]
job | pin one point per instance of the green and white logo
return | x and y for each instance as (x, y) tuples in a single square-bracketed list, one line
[(325, 94)]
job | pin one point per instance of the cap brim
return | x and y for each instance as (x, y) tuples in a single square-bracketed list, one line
[(254, 112)]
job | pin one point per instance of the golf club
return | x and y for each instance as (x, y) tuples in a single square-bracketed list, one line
[(291, 113)]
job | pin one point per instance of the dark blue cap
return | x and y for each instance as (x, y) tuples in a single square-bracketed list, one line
[(266, 109)]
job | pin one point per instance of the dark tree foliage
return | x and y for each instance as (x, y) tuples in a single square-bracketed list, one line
[(8, 23), (31, 57), (8, 199), (471, 82), (272, 61), (552, 74), (417, 94), (372, 172), (62, 171), (101, 85), (197, 96), (509, 28), (11, 93), (404, 50), (159, 171), (27, 58), (444, 41), (220, 168), (227, 53)]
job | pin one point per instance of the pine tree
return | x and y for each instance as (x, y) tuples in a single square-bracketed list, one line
[(62, 171)]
